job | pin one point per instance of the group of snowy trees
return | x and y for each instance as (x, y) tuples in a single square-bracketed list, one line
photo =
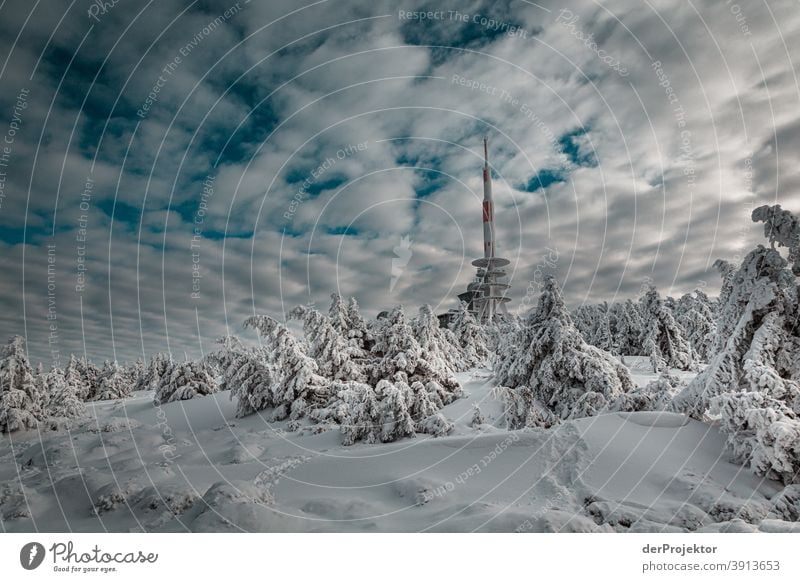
[(378, 380), (751, 385), (29, 396), (547, 371), (672, 334), (397, 371), (749, 337)]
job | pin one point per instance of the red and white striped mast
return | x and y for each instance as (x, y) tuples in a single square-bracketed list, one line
[(488, 205), (489, 289)]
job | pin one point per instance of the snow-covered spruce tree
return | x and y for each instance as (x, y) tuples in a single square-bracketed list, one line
[(358, 330), (395, 419), (91, 377), (695, 314), (250, 378), (425, 403), (338, 358), (586, 319), (604, 337), (549, 362), (662, 339), (781, 227), (20, 399), (628, 320), (337, 312), (347, 320), (655, 395), (184, 381), (397, 350), (471, 337), (477, 417), (134, 371), (436, 425), (295, 383), (724, 325), (64, 388), (763, 433), (438, 345), (355, 409), (113, 383), (224, 362), (502, 335), (753, 382), (154, 370)]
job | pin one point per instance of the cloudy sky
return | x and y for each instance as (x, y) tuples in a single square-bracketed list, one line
[(178, 166)]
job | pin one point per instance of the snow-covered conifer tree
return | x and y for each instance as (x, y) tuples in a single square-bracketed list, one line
[(604, 337), (763, 433), (436, 425), (587, 320), (338, 358), (91, 377), (224, 362), (292, 379), (395, 420), (655, 395), (185, 380), (397, 350), (695, 314), (65, 390), (358, 329), (337, 313), (154, 370), (250, 378), (20, 399), (628, 328), (471, 337), (752, 382), (549, 361), (477, 417), (355, 409), (439, 348), (781, 227), (134, 371), (662, 338), (113, 383)]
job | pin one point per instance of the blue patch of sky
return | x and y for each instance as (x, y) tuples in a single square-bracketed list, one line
[(343, 230), (119, 211), (330, 180), (449, 30), (545, 178), (570, 145), (34, 234), (94, 99), (14, 235), (262, 118)]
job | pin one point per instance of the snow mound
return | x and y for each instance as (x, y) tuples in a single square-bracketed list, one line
[(656, 419)]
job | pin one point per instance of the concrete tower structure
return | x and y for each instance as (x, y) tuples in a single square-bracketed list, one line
[(485, 294)]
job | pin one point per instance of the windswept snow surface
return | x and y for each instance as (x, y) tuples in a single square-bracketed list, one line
[(192, 466)]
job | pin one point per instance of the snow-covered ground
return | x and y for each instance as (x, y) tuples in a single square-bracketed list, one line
[(193, 466)]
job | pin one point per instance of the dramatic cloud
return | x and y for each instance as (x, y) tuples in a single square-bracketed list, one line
[(178, 166)]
